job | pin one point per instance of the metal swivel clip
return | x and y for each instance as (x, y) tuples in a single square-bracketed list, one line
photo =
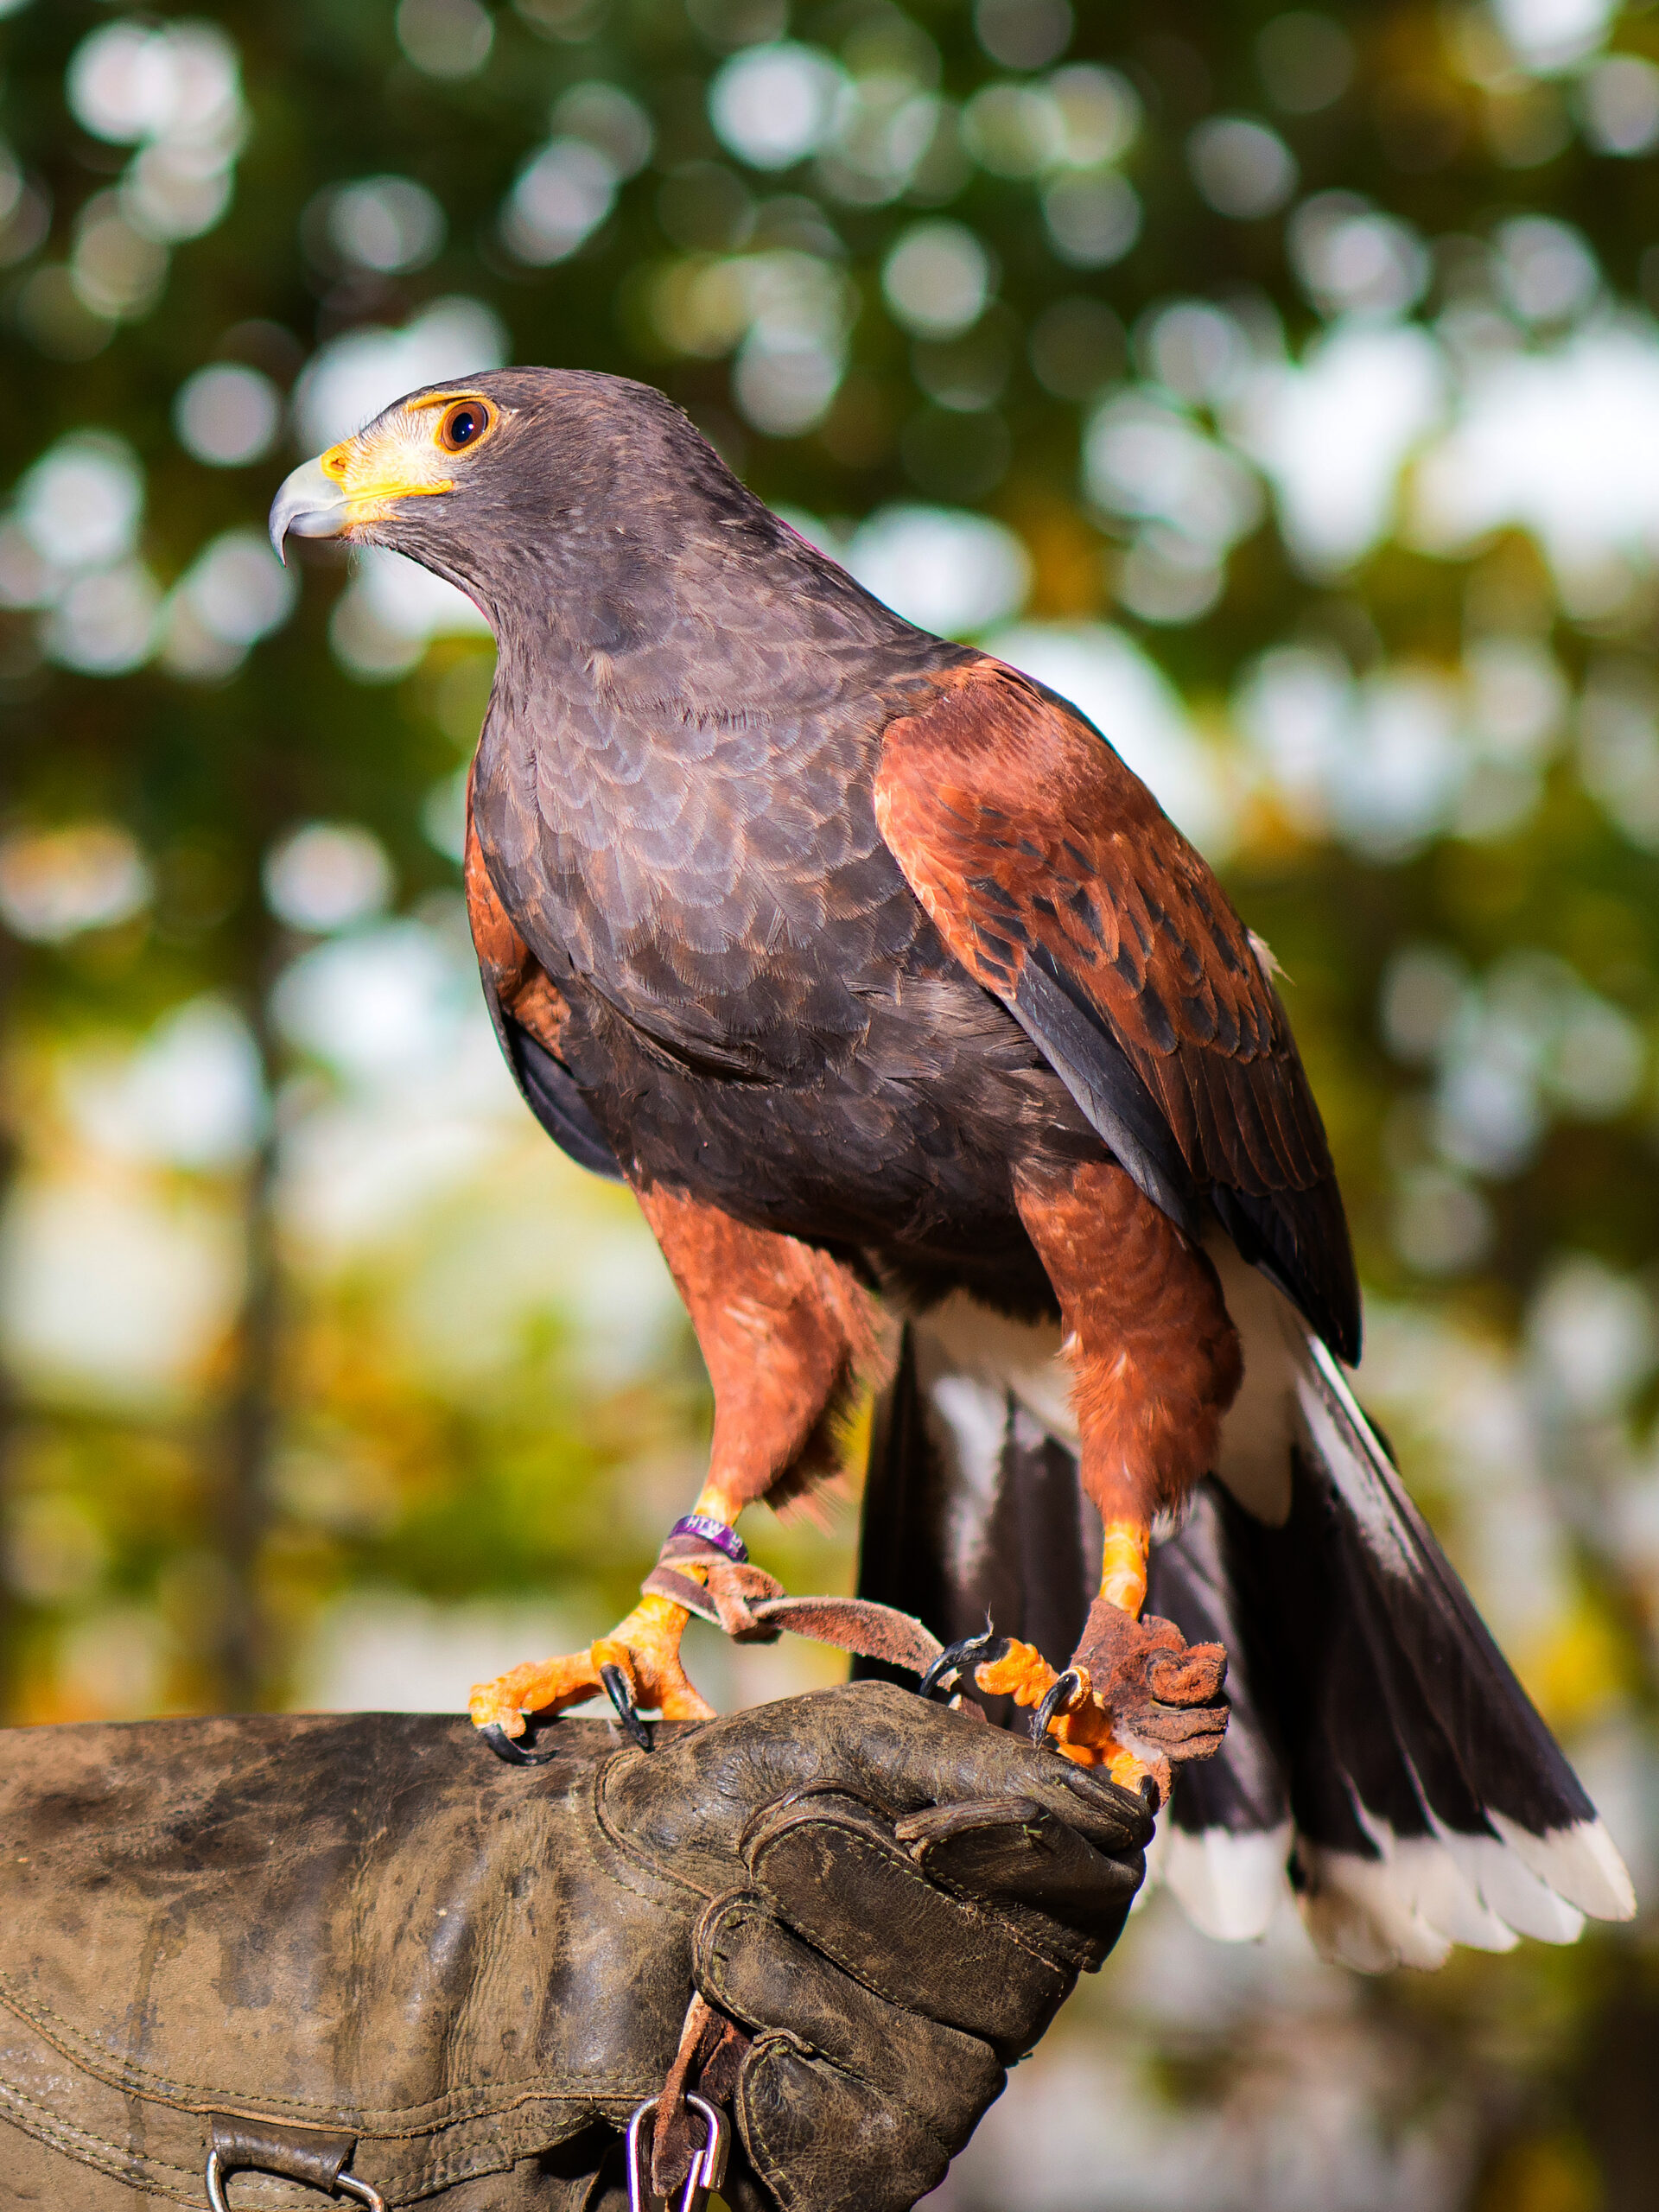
[(707, 2166)]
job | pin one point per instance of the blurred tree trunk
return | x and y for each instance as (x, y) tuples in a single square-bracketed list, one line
[(251, 1427), (243, 1657), (9, 1151)]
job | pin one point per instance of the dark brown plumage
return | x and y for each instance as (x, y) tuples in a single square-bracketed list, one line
[(826, 927), (891, 992)]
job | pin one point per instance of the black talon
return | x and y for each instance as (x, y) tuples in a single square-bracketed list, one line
[(1061, 1691), (622, 1696), (1151, 1796), (957, 1658), (509, 1748)]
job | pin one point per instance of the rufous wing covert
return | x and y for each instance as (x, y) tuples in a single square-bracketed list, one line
[(1061, 884)]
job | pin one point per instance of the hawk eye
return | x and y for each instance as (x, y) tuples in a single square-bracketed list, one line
[(463, 424)]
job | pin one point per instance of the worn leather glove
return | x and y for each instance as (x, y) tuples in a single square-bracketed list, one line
[(365, 1923), (892, 1901)]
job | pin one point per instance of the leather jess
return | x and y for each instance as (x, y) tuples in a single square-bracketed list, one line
[(364, 1924)]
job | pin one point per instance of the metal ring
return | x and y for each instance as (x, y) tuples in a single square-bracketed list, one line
[(215, 2176)]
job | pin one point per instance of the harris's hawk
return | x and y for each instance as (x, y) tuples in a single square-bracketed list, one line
[(893, 993)]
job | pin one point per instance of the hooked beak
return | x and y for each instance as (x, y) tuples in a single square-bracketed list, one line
[(311, 504), (364, 480)]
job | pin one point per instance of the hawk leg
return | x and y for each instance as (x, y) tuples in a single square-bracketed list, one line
[(786, 1332), (1156, 1364)]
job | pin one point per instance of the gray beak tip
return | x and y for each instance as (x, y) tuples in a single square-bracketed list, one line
[(307, 505)]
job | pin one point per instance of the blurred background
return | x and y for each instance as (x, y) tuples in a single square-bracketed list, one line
[(1282, 386)]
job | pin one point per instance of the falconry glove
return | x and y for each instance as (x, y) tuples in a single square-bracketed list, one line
[(360, 1946)]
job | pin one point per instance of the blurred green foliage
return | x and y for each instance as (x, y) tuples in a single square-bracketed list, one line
[(172, 1543)]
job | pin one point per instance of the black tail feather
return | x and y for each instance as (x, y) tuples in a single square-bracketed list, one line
[(1191, 1581), (1380, 1749)]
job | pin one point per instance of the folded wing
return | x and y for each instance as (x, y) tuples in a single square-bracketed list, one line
[(1055, 878)]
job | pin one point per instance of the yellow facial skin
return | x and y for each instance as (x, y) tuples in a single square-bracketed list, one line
[(411, 452), (403, 456)]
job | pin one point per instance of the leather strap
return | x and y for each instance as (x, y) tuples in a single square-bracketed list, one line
[(727, 1599), (710, 2059), (669, 1582), (858, 1625), (316, 2155), (752, 1607)]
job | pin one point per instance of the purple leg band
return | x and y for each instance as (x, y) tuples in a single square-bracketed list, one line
[(708, 1530)]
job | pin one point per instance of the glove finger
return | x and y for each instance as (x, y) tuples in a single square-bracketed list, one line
[(880, 1744), (818, 2137), (840, 1879), (760, 1975), (900, 1754), (962, 1760), (1015, 1854)]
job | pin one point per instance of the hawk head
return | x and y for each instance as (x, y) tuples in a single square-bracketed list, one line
[(496, 482)]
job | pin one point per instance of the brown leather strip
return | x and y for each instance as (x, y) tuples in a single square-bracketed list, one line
[(724, 2065), (672, 2145), (680, 1550), (708, 2061), (735, 1591), (681, 1590), (858, 1625), (686, 1546), (752, 1607), (725, 1595)]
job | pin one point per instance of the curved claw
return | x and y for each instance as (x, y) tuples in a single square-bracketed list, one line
[(961, 1658), (513, 1753), (619, 1691), (1061, 1691)]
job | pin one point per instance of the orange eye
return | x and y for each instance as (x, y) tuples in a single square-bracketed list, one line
[(463, 424)]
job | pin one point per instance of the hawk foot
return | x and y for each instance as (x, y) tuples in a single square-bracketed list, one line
[(644, 1649), (1137, 1698), (1079, 1725)]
